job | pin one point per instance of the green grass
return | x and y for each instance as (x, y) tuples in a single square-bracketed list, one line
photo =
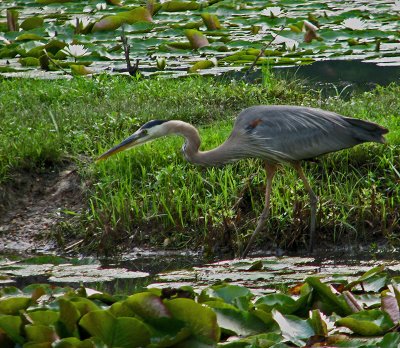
[(150, 195)]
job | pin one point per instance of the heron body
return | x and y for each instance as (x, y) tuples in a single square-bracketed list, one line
[(273, 133)]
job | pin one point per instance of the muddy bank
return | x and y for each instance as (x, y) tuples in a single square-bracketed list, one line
[(33, 203)]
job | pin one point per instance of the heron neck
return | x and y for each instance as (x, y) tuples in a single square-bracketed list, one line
[(220, 155)]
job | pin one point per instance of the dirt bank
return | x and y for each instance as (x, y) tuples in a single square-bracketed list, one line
[(33, 203)]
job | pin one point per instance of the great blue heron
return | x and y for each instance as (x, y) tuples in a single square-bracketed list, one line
[(276, 134)]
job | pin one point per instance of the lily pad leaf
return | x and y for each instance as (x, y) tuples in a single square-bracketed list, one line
[(367, 323), (235, 321), (40, 333), (372, 272), (29, 36), (293, 328), (211, 21), (11, 325), (113, 22), (329, 300), (147, 306), (196, 38), (390, 340), (12, 305), (78, 69), (32, 23), (390, 306), (175, 6), (202, 64), (121, 332), (44, 317), (167, 332), (281, 302), (69, 316), (228, 293), (318, 323), (201, 320), (47, 2)]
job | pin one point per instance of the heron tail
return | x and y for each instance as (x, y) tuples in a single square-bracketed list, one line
[(368, 131)]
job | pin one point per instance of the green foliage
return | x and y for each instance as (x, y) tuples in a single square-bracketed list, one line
[(151, 321), (45, 123)]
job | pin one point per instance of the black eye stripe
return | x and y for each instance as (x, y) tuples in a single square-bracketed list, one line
[(153, 123)]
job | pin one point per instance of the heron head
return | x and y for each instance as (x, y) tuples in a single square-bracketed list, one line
[(149, 131)]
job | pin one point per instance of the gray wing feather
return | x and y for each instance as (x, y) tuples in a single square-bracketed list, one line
[(292, 133)]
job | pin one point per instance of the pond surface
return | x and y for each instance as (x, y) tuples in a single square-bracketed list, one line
[(164, 269), (173, 37)]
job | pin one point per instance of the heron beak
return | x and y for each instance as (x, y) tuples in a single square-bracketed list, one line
[(136, 138)]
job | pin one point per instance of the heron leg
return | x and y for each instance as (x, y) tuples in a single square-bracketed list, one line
[(313, 204), (270, 170)]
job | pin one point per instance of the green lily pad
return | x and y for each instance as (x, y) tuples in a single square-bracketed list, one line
[(281, 302), (11, 325), (293, 328), (196, 38), (329, 301), (121, 332), (40, 333), (202, 321), (176, 6), (367, 323), (32, 23), (235, 321), (202, 64), (211, 21), (147, 306), (390, 340), (79, 69), (129, 17), (13, 305)]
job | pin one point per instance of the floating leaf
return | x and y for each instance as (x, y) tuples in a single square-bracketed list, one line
[(13, 305), (369, 274), (196, 38), (367, 323), (175, 6), (229, 293), (281, 302), (391, 307), (32, 23), (318, 323), (202, 64), (211, 21), (293, 328), (390, 340), (201, 320), (40, 333), (116, 332), (263, 340), (147, 306), (44, 317), (233, 320), (47, 2), (29, 36), (69, 316), (328, 298), (11, 325), (77, 69), (138, 14)]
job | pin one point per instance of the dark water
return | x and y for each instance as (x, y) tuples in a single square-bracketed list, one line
[(342, 77)]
